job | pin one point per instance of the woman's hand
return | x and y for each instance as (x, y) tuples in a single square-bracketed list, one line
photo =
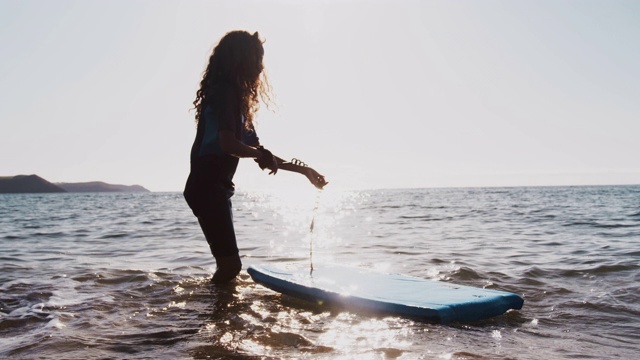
[(266, 160), (316, 179)]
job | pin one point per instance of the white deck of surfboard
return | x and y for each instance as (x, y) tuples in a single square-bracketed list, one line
[(373, 291)]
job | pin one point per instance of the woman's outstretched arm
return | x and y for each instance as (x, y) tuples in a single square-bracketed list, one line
[(314, 177), (232, 146)]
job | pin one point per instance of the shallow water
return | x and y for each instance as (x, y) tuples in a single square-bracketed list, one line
[(127, 275)]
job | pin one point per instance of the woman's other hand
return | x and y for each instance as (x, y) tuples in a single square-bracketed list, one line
[(316, 179)]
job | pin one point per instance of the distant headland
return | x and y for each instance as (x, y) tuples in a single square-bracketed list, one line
[(36, 184)]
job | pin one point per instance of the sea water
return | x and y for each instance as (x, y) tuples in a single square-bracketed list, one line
[(127, 275)]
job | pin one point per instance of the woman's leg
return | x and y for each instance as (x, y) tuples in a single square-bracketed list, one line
[(217, 227)]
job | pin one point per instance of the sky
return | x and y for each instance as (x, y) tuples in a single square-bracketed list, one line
[(372, 94)]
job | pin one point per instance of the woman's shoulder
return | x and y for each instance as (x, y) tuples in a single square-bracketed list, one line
[(223, 102), (221, 96)]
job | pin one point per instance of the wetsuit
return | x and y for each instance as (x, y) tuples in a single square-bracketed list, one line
[(210, 184)]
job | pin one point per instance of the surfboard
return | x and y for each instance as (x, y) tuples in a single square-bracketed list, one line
[(368, 290)]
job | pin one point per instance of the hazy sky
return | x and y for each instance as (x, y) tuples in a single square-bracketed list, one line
[(371, 93)]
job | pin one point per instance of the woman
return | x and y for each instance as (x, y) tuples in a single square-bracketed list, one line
[(225, 107)]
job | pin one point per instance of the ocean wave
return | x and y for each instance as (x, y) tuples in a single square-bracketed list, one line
[(563, 273), (599, 225)]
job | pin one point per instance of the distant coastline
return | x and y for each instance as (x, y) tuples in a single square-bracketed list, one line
[(24, 184)]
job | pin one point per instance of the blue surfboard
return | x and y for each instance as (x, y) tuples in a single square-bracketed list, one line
[(362, 289)]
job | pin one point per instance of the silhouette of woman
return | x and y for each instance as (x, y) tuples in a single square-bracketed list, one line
[(225, 106)]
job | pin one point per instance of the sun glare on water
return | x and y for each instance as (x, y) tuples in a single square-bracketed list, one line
[(308, 223)]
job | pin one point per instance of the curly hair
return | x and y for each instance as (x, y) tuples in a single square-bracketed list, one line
[(236, 61)]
